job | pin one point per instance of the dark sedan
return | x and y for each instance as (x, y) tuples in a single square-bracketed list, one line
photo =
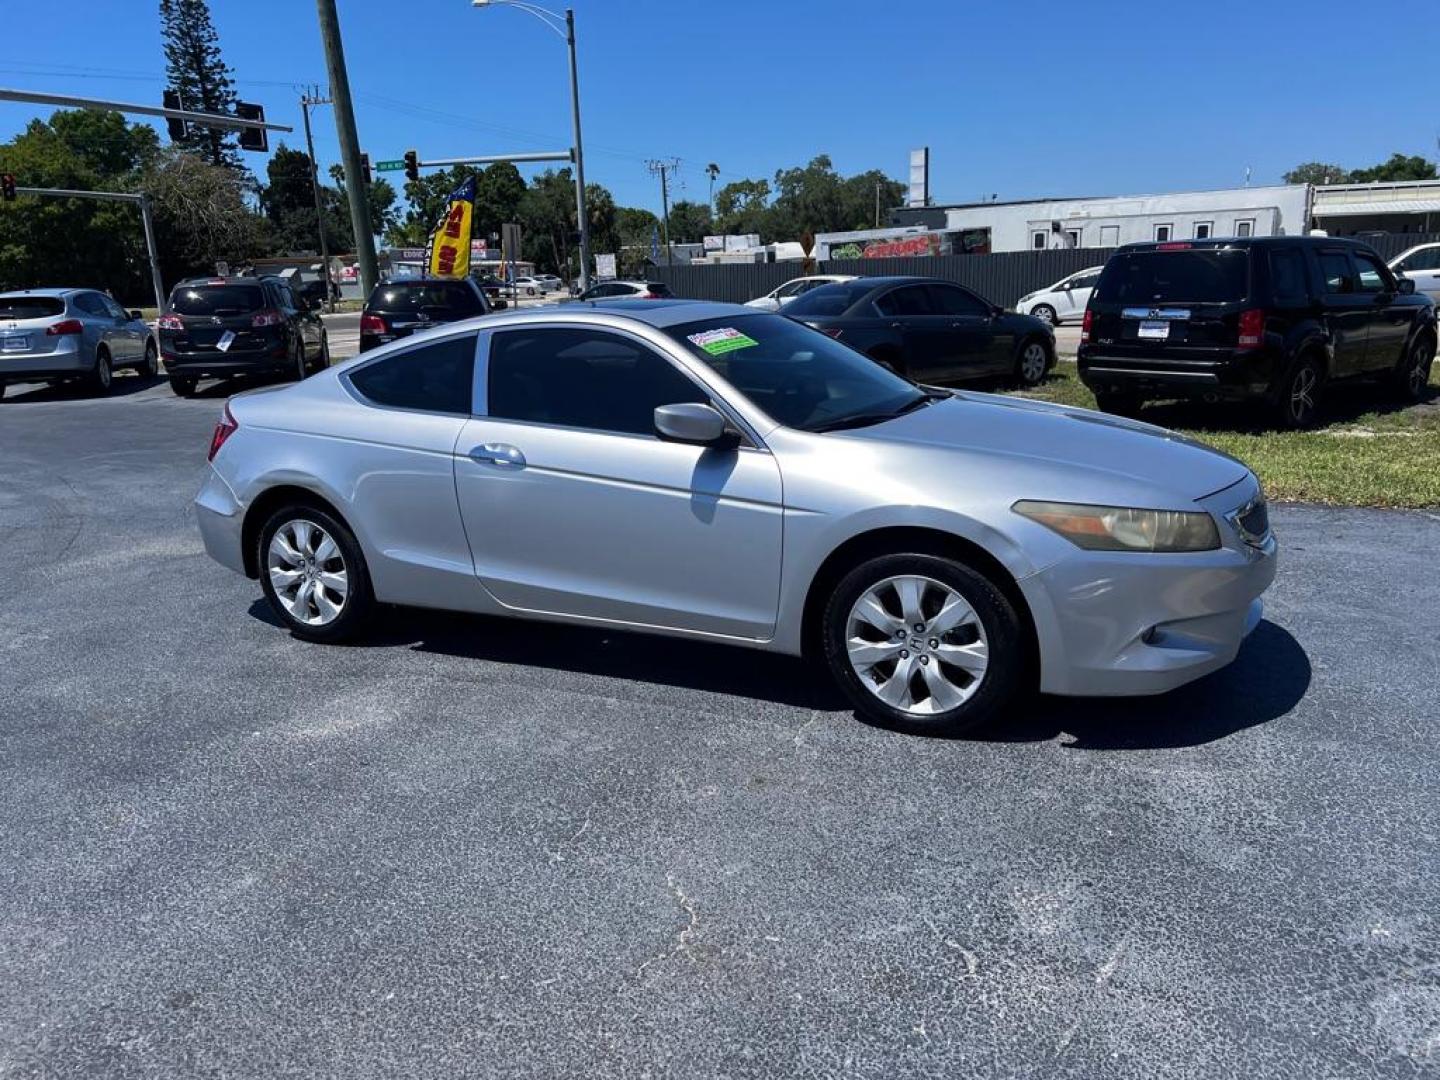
[(930, 330)]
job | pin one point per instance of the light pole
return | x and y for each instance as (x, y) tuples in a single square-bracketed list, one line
[(565, 28)]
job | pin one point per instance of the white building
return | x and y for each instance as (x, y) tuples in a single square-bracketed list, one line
[(1398, 206)]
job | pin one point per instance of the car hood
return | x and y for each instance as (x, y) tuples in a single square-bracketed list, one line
[(1039, 432)]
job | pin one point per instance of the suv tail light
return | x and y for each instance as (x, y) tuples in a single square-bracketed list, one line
[(223, 430), (373, 324), (169, 322), (1085, 327), (1252, 327), (65, 326), (268, 317)]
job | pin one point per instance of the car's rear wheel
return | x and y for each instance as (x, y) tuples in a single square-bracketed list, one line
[(300, 369), (1119, 403), (923, 644), (1045, 313), (324, 361), (182, 385), (1298, 400), (313, 573), (1412, 376), (101, 374), (1032, 363), (150, 366)]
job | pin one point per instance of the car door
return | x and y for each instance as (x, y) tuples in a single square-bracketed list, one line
[(1077, 295), (1347, 312), (132, 331), (103, 327), (929, 345), (1423, 268), (1389, 319), (304, 326), (575, 507), (977, 343)]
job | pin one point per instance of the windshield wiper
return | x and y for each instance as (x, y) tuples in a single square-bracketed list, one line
[(866, 419)]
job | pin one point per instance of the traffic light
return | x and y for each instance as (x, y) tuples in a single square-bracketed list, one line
[(178, 128), (365, 169), (412, 165), (252, 138), (7, 186)]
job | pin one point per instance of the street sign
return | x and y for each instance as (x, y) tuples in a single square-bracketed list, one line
[(389, 166)]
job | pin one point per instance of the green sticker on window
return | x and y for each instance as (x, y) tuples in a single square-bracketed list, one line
[(726, 339)]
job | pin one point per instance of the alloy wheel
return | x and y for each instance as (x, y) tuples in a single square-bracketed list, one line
[(308, 572), (1419, 369), (1302, 394), (917, 645), (1045, 313), (1032, 362)]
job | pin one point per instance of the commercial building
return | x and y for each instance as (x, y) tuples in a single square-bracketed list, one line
[(1409, 206)]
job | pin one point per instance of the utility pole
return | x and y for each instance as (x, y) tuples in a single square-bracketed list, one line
[(583, 224), (349, 143), (306, 100), (877, 204), (662, 169)]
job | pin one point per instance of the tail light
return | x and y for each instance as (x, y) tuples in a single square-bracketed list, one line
[(1252, 327), (267, 317), (1173, 247), (1085, 327), (65, 326), (169, 322), (373, 324), (223, 430), (651, 296)]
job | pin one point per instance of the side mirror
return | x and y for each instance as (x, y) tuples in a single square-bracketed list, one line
[(1405, 287), (135, 313), (689, 422)]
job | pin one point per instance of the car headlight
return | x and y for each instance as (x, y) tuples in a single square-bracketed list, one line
[(1120, 528)]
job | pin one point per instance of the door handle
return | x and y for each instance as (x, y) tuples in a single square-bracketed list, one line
[(897, 326), (495, 453)]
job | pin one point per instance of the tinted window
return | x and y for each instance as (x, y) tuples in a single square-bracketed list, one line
[(659, 288), (1164, 277), (833, 299), (287, 298), (216, 299), (1339, 275), (948, 300), (1373, 278), (1429, 259), (454, 298), (31, 307), (115, 309), (797, 375), (584, 379), (436, 378), (909, 300), (1287, 276), (1085, 281), (92, 304)]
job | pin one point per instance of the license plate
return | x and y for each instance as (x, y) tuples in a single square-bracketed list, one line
[(15, 343), (1154, 330), (226, 340)]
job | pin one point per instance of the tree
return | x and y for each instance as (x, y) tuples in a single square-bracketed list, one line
[(862, 193), (689, 222), (547, 220), (202, 215), (1316, 172), (740, 206), (1399, 167), (196, 71), (380, 199), (427, 198), (499, 190), (633, 229)]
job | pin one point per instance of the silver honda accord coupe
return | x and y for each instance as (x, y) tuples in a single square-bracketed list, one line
[(707, 471)]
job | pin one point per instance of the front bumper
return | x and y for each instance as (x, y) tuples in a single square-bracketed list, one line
[(67, 360), (1121, 624), (221, 520)]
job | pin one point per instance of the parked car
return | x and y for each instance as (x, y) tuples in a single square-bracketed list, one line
[(632, 290), (1065, 300), (1275, 319), (530, 286), (55, 335), (223, 327), (778, 297), (494, 288), (550, 281), (398, 309), (712, 472), (930, 330), (1421, 265)]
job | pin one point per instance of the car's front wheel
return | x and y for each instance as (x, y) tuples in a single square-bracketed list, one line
[(923, 644), (1032, 363), (313, 573), (1413, 374)]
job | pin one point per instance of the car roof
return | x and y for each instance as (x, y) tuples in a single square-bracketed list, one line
[(1244, 242), (51, 292), (234, 279)]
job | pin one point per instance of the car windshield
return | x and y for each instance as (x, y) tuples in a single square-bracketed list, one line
[(833, 299), (216, 299), (30, 307), (455, 297), (1143, 278), (797, 376)]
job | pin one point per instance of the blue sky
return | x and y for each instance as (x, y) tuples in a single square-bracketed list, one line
[(1018, 100)]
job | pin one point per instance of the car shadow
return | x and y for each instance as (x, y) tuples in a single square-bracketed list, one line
[(1268, 678), (1256, 418), (124, 384)]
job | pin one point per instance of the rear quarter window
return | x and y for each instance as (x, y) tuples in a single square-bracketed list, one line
[(437, 377), (1192, 275)]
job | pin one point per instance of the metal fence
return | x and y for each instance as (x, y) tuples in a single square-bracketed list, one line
[(1003, 277)]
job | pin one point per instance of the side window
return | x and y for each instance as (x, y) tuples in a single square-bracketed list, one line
[(1038, 239), (949, 300), (1085, 281), (792, 288), (1374, 278), (1202, 229), (1335, 269), (287, 298), (583, 379), (434, 378), (92, 304), (1426, 259), (114, 309), (1244, 227), (1287, 277), (1109, 235), (1162, 233), (909, 300)]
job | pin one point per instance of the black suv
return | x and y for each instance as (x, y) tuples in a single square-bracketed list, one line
[(398, 309), (238, 326), (1273, 319)]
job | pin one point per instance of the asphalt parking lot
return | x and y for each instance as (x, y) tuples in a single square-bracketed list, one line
[(478, 848)]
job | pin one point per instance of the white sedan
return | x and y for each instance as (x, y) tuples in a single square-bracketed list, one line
[(1066, 299), (1421, 265), (778, 298)]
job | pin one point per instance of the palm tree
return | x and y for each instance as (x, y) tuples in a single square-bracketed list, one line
[(712, 170)]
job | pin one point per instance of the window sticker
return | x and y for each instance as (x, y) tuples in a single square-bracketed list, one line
[(722, 340)]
